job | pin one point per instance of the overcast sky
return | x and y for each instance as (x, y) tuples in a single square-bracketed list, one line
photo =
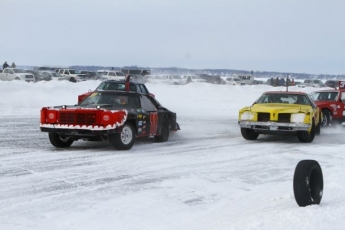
[(297, 36)]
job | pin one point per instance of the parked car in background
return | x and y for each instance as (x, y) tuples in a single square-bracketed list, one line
[(52, 75), (10, 74), (314, 83), (234, 81), (73, 76), (94, 75), (195, 79), (332, 83), (247, 79), (36, 75), (138, 78), (112, 74)]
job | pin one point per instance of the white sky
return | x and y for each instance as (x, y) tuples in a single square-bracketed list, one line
[(206, 177), (305, 36)]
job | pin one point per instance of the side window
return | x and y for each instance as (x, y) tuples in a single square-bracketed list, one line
[(5, 70), (342, 97), (147, 105), (143, 89)]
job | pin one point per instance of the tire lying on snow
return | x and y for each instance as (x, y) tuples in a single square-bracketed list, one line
[(308, 183)]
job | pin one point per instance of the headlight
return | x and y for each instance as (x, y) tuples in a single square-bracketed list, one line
[(297, 118), (105, 117), (247, 115)]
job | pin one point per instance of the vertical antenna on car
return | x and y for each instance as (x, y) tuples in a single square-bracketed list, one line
[(127, 82)]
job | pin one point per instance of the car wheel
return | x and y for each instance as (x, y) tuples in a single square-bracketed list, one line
[(249, 134), (125, 139), (308, 183), (165, 131), (305, 136), (72, 79), (326, 121), (59, 142), (318, 127)]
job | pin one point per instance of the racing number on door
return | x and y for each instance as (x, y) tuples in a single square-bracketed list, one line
[(153, 123)]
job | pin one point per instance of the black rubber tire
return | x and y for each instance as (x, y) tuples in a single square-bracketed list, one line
[(249, 134), (308, 183), (59, 142), (318, 127), (165, 132), (307, 137), (72, 79), (326, 121), (124, 140)]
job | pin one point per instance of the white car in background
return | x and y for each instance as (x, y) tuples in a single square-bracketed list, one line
[(234, 81), (112, 74), (10, 74), (52, 75), (314, 83)]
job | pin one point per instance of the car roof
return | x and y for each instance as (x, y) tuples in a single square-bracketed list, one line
[(329, 90), (118, 92), (122, 82), (286, 92)]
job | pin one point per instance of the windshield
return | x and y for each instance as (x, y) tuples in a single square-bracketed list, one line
[(19, 71), (284, 99), (324, 96), (115, 86), (56, 74), (118, 100), (120, 74)]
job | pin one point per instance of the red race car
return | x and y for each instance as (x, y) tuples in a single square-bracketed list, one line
[(332, 104)]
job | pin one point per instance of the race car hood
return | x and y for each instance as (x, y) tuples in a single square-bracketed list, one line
[(279, 108)]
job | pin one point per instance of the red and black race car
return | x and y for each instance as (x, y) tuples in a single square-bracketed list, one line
[(332, 104), (116, 117)]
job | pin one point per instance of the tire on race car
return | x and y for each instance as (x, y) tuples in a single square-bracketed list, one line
[(125, 139), (326, 121), (305, 136), (249, 134), (165, 132), (308, 183), (318, 127), (59, 142)]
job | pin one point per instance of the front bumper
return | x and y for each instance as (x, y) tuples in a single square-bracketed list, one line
[(274, 126), (81, 133)]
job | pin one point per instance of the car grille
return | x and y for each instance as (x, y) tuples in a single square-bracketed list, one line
[(77, 118), (282, 117), (263, 116)]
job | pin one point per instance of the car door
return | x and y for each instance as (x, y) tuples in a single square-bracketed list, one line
[(150, 117), (10, 75)]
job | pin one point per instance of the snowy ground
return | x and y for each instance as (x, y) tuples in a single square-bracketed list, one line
[(206, 177)]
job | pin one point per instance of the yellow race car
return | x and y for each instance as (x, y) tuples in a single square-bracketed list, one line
[(281, 113)]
